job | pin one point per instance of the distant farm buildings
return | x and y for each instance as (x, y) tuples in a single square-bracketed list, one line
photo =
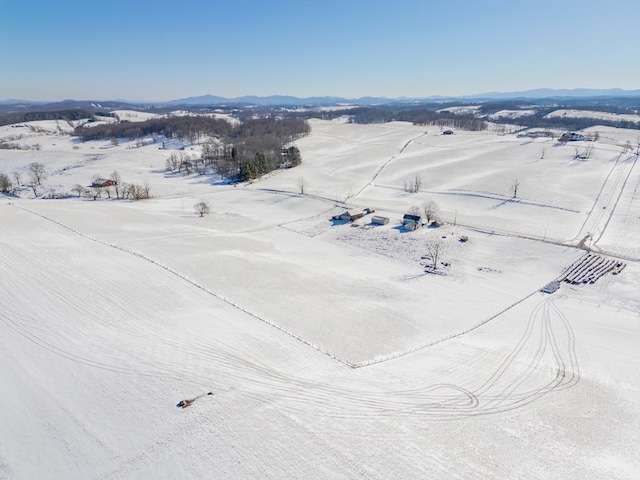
[(571, 137), (409, 221), (352, 214), (102, 182), (536, 134)]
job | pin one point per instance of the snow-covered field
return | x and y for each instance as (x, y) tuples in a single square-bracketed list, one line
[(594, 114), (330, 351)]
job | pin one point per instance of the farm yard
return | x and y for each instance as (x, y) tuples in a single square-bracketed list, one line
[(331, 348)]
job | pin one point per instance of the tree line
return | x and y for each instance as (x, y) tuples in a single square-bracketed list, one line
[(417, 115), (185, 128), (255, 148), (66, 115)]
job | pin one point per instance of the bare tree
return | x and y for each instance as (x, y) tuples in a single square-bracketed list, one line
[(97, 190), (430, 210), (200, 165), (416, 183), (514, 188), (172, 163), (202, 208), (301, 185), (185, 162), (37, 172), (125, 188), (115, 177), (415, 210), (586, 153), (135, 191), (413, 185), (79, 189), (146, 189), (435, 250)]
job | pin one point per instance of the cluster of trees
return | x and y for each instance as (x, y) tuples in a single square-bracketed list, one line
[(7, 184), (118, 188), (436, 113), (428, 210), (185, 128), (567, 123), (418, 115), (255, 147), (239, 152), (67, 115), (413, 185), (36, 172), (16, 146), (542, 107)]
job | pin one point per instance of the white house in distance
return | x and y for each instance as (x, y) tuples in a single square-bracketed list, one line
[(571, 137)]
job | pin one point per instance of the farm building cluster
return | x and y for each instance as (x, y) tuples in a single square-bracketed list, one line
[(409, 221)]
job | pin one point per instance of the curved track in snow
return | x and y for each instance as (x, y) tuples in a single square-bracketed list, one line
[(541, 360)]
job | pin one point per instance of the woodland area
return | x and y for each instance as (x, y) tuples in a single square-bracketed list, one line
[(66, 115), (239, 152), (417, 116), (187, 128)]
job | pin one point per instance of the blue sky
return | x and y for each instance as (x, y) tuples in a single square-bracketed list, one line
[(166, 49)]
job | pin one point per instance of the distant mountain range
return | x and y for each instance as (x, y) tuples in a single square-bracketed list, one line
[(290, 100), (272, 100), (278, 100), (559, 93)]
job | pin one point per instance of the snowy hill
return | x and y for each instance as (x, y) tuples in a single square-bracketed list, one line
[(332, 349)]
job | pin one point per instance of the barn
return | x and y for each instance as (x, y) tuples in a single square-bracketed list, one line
[(102, 182), (348, 215)]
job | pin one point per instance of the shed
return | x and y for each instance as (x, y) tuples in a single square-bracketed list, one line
[(351, 215), (411, 222), (378, 220)]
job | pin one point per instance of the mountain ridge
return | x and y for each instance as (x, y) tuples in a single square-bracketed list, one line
[(272, 100)]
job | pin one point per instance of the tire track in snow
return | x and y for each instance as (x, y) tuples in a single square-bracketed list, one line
[(507, 388), (384, 165), (192, 282)]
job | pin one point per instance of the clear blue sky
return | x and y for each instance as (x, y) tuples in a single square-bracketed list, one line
[(167, 49)]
